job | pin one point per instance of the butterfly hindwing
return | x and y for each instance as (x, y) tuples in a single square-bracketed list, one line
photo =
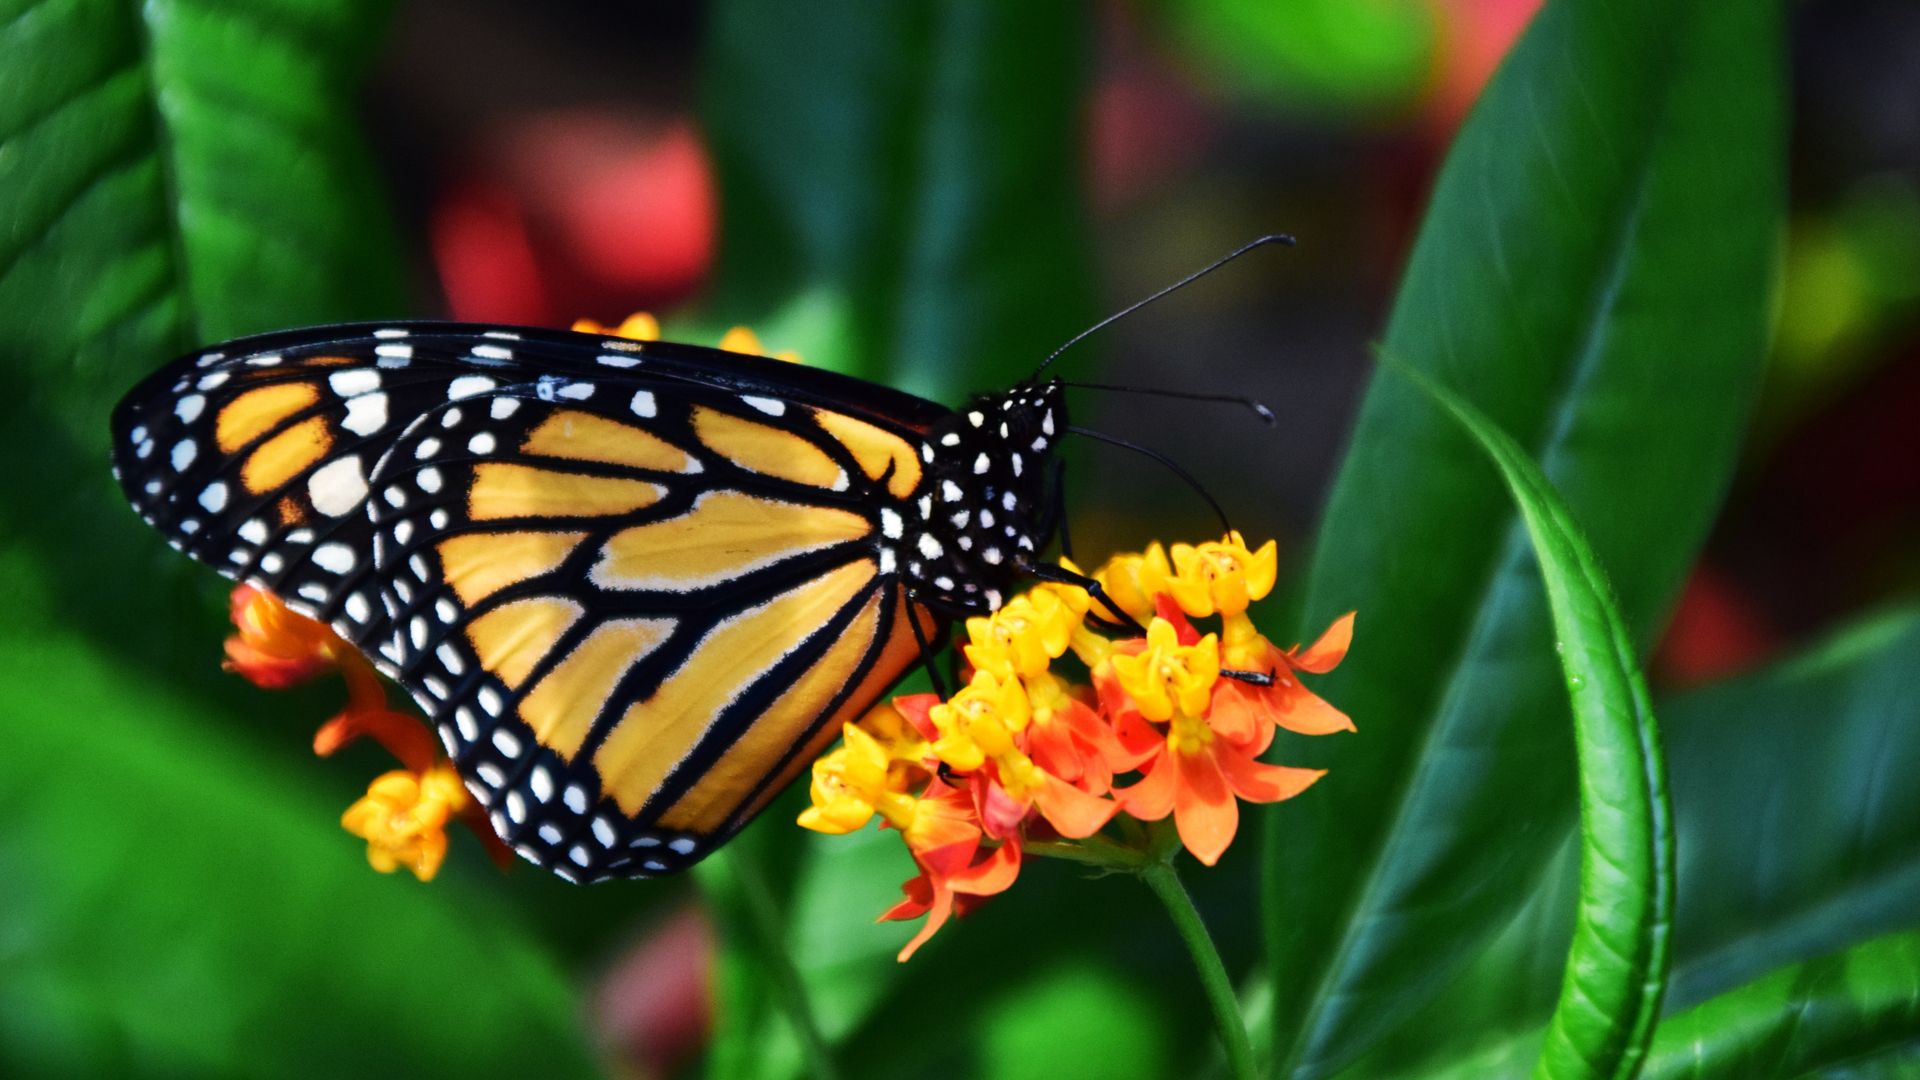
[(636, 587)]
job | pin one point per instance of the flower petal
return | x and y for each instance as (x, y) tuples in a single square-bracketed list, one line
[(990, 876), (1073, 813), (1325, 655), (1152, 798), (1257, 781), (1301, 710), (1203, 808)]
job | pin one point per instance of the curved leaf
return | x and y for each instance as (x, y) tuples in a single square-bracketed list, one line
[(1617, 968), (1783, 854), (1592, 275), (1856, 1013)]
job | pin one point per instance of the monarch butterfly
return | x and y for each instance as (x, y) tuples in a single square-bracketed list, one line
[(637, 586)]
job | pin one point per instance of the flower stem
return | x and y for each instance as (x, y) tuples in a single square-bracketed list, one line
[(788, 991), (1165, 883)]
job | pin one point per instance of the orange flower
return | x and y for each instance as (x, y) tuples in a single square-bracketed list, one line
[(944, 841), (1244, 711), (404, 814), (276, 647), (1020, 760)]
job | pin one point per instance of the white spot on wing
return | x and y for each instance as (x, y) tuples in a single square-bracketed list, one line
[(770, 406), (643, 404), (356, 381), (467, 386), (188, 409), (366, 414), (338, 486)]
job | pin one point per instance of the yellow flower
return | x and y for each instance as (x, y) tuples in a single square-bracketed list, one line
[(980, 722), (1132, 581), (1024, 636), (1221, 575), (403, 818), (1167, 674), (742, 340), (639, 326), (855, 782)]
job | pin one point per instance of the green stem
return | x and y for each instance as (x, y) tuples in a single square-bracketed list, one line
[(1160, 877), (788, 990)]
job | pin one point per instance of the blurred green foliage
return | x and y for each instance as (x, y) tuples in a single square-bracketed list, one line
[(1594, 275)]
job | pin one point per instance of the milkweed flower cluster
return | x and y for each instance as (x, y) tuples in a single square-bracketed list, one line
[(405, 813), (1172, 723)]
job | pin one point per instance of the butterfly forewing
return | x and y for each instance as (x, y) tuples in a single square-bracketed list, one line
[(635, 587)]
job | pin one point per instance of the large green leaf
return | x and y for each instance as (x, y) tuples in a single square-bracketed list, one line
[(1799, 818), (172, 173), (901, 183), (1592, 275), (1616, 970), (1794, 841), (174, 909), (1856, 1013)]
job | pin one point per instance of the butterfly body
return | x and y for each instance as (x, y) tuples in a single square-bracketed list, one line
[(636, 586)]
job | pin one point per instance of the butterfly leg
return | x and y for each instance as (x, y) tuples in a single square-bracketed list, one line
[(929, 657), (1063, 576), (1056, 517)]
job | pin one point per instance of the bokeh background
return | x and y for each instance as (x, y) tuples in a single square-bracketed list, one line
[(544, 162), (551, 162)]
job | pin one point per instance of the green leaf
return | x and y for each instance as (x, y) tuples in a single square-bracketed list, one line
[(1795, 839), (175, 909), (1856, 1013), (902, 182), (1617, 967), (1799, 820), (1592, 275), (173, 173)]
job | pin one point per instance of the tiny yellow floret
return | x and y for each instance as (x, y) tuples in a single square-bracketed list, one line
[(1167, 676)]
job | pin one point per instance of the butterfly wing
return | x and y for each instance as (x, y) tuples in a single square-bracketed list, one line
[(636, 586)]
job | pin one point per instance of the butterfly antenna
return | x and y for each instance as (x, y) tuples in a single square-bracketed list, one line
[(1273, 238), (1165, 461), (1259, 408)]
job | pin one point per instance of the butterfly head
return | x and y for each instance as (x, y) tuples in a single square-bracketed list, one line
[(984, 504)]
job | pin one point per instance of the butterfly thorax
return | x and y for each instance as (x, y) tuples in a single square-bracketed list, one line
[(982, 502)]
